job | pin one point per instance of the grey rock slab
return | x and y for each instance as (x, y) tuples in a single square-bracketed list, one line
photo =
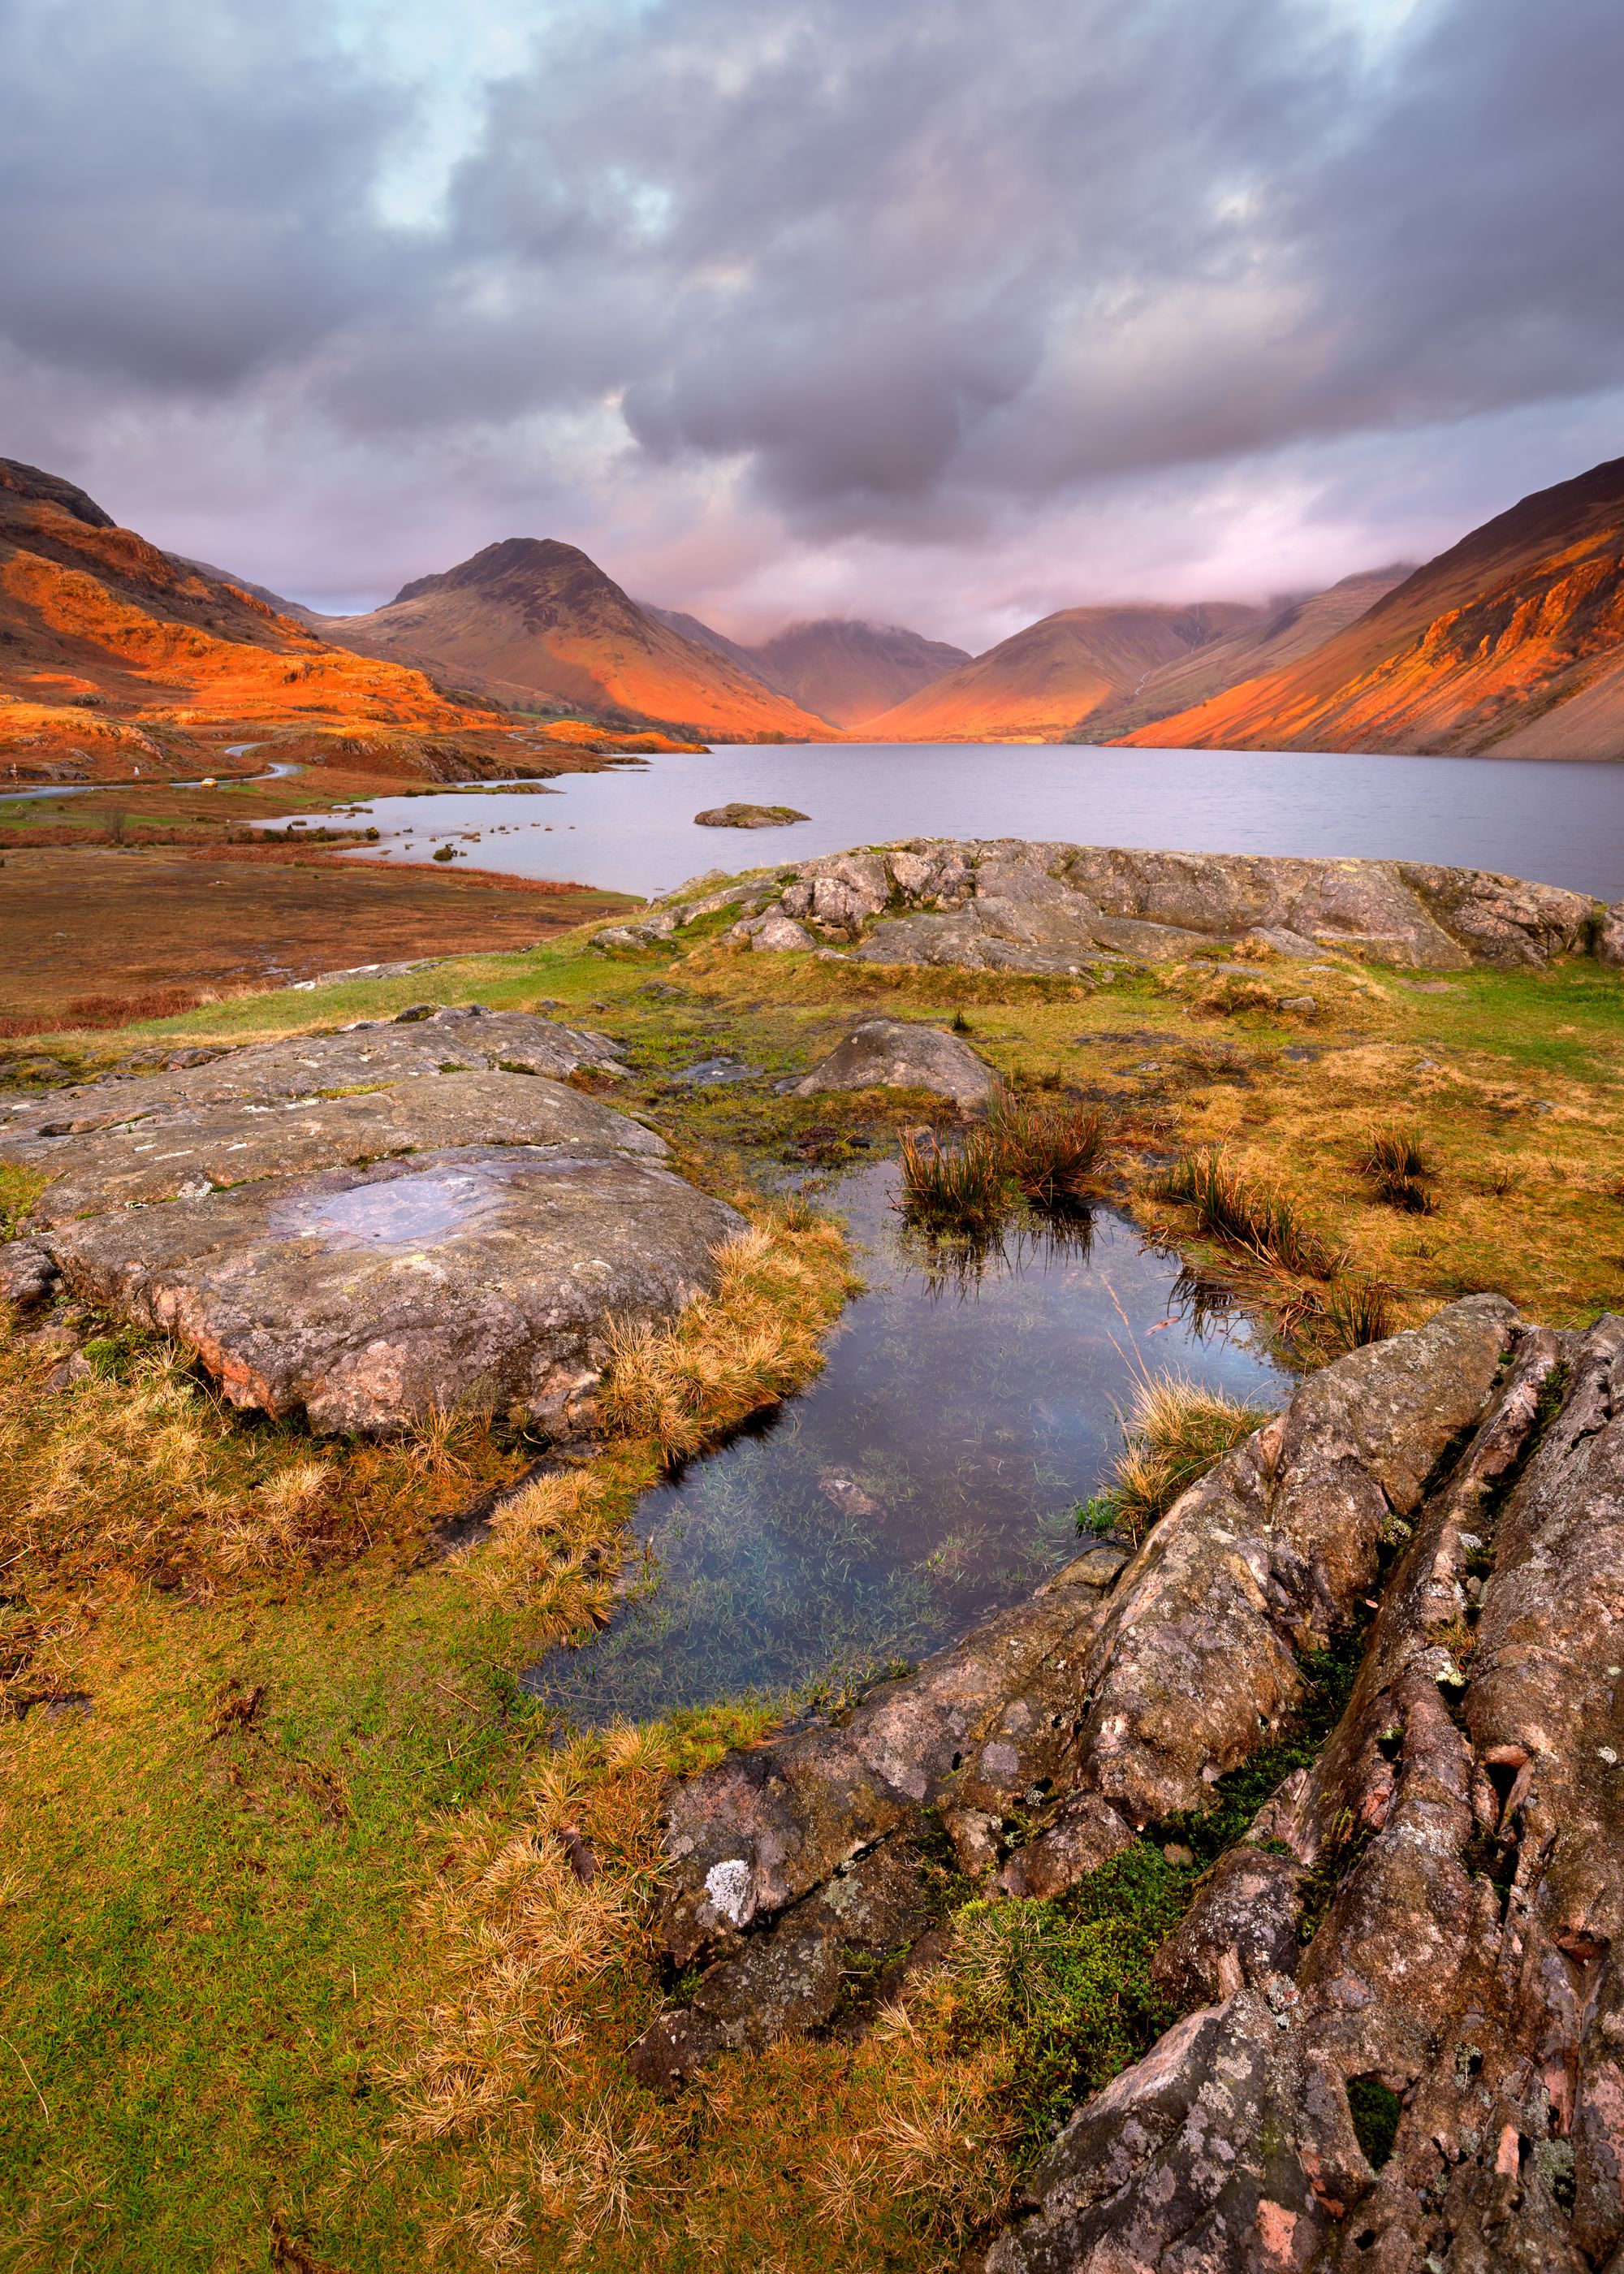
[(1610, 935), (28, 1274), (479, 1275), (448, 1041), (188, 1154), (902, 1054), (778, 935)]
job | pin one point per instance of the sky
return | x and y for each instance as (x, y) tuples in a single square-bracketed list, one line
[(944, 313)]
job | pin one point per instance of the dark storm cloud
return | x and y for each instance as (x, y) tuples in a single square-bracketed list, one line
[(900, 270)]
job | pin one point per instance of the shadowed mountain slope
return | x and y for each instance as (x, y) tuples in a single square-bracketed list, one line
[(1287, 631), (1511, 641), (848, 670), (111, 650), (1057, 674), (532, 617)]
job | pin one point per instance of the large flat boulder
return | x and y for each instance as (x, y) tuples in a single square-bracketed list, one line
[(455, 1041), (190, 1151), (1007, 904), (469, 1276), (904, 1054)]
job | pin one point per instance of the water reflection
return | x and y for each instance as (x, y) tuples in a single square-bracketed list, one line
[(970, 1401)]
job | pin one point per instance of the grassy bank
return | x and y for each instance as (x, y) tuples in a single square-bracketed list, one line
[(300, 1970)]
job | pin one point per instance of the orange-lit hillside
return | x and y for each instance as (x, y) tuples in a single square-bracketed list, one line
[(115, 653), (1512, 641)]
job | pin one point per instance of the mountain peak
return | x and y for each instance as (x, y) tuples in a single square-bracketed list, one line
[(50, 489), (511, 567)]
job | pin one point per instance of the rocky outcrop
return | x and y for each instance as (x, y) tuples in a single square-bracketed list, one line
[(369, 1225), (1433, 1914), (904, 1054), (1610, 935), (1402, 2045), (1115, 1698), (744, 815), (1007, 905)]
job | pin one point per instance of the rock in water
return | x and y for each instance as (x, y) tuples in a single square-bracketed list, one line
[(739, 816), (902, 1054), (479, 1275)]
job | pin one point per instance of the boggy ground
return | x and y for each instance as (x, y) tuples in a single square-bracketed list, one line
[(319, 1955)]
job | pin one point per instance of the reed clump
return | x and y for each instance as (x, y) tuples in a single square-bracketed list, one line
[(1265, 1221), (1396, 1165), (954, 1188), (1051, 1150), (1174, 1433)]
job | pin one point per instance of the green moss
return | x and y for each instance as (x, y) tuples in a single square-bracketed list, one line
[(1375, 2111)]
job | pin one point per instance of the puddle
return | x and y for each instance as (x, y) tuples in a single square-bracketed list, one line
[(929, 1476), (417, 1209)]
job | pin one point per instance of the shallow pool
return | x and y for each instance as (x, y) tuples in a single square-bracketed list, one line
[(929, 1475)]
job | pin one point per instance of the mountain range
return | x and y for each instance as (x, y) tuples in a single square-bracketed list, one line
[(1512, 641)]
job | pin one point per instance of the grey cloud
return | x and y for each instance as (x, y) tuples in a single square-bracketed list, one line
[(900, 274)]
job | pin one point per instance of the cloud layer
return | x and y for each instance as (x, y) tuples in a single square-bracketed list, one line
[(949, 312)]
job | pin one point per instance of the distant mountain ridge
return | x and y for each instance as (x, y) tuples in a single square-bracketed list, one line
[(1512, 641), (532, 616), (1053, 677)]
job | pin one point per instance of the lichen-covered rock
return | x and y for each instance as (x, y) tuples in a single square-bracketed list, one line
[(778, 935), (457, 1041), (1610, 935), (188, 1152), (367, 1296), (28, 1274), (1461, 1830), (904, 1054)]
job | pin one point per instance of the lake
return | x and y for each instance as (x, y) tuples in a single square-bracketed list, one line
[(632, 829)]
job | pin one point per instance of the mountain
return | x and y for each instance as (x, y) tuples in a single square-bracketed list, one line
[(1289, 630), (847, 670), (530, 617), (1043, 682), (114, 653), (707, 636), (274, 601), (1512, 641)]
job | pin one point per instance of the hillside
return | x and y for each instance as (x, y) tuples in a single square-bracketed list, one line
[(1512, 641), (848, 670), (114, 656), (1053, 677), (530, 617), (1288, 630)]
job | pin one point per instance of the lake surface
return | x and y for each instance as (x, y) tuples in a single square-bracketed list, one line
[(929, 1475), (1556, 822)]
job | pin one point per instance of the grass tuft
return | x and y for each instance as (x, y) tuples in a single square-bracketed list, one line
[(1174, 1432), (1394, 1163), (1051, 1151), (1267, 1221), (687, 1385)]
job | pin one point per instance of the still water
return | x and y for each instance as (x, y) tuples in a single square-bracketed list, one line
[(1556, 822), (929, 1475)]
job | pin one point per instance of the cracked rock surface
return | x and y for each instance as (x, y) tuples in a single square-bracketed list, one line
[(371, 1223), (1010, 905)]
